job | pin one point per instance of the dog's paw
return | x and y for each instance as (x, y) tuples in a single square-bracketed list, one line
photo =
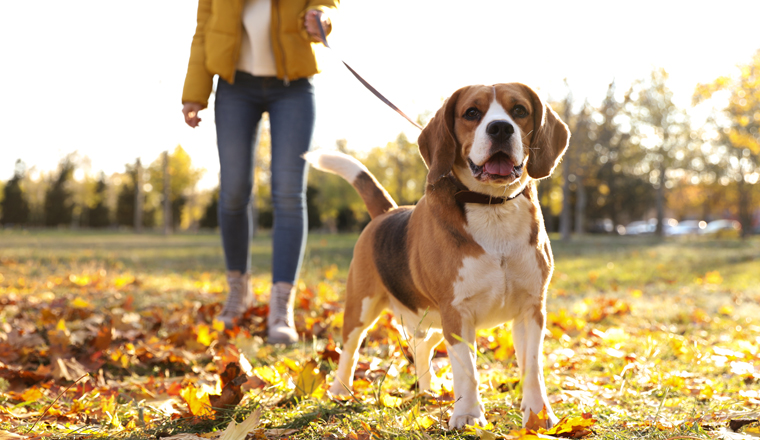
[(339, 389), (461, 418)]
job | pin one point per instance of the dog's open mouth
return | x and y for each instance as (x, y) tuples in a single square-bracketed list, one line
[(497, 167)]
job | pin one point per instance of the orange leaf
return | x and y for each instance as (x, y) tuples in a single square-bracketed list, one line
[(31, 394), (197, 401), (537, 421), (573, 427)]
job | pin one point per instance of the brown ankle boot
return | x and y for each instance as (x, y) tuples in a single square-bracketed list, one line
[(280, 326), (239, 299)]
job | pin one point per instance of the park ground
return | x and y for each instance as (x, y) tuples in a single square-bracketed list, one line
[(111, 335)]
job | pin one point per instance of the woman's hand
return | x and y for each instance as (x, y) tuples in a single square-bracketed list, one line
[(190, 110), (311, 22)]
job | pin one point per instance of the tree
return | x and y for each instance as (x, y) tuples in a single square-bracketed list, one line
[(333, 194), (400, 169), (661, 131), (182, 177), (737, 130), (15, 207), (99, 214), (210, 217), (58, 206)]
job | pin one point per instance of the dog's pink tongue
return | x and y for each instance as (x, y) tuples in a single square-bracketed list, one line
[(499, 165)]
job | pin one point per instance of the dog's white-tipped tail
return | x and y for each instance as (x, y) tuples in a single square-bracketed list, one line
[(376, 198)]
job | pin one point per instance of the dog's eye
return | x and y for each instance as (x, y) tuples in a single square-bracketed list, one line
[(472, 114), (519, 111)]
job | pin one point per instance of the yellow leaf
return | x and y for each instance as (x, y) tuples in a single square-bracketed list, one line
[(416, 421), (706, 393), (310, 380), (713, 277), (269, 375), (572, 425), (240, 431), (80, 303), (218, 325), (481, 432), (197, 401), (108, 405), (389, 401), (205, 336), (291, 364), (615, 335), (506, 346), (32, 394)]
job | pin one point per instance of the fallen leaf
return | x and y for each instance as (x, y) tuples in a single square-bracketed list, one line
[(389, 401), (197, 401), (572, 427), (237, 431), (537, 421), (232, 378), (309, 381), (5, 435)]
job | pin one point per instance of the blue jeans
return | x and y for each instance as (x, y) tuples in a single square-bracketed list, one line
[(238, 110)]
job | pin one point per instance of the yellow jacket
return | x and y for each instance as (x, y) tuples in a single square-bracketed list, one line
[(216, 43)]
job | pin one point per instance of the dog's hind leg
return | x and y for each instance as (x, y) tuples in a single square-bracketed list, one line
[(361, 313), (422, 346)]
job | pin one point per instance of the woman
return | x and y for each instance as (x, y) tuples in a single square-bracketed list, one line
[(262, 51)]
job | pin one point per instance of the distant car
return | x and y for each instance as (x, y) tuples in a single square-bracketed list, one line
[(639, 227), (642, 227), (688, 227), (601, 226), (723, 228)]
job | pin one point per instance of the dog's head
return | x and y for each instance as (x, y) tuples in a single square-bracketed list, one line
[(489, 136)]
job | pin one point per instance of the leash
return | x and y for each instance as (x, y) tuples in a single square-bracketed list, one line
[(364, 82), (462, 196)]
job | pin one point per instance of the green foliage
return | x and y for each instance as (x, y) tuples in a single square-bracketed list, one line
[(210, 217), (58, 203), (99, 215), (400, 169), (735, 133), (14, 207), (182, 180)]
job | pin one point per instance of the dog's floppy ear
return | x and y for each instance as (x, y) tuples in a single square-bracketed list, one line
[(438, 142), (550, 139)]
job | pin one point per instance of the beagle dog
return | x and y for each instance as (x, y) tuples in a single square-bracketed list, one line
[(472, 254)]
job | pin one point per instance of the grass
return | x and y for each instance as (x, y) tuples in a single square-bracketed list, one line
[(653, 339)]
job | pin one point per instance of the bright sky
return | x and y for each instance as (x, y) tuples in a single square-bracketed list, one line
[(104, 78)]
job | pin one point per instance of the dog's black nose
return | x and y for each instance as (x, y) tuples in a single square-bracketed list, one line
[(500, 130)]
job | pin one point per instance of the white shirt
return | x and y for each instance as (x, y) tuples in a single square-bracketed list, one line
[(256, 54)]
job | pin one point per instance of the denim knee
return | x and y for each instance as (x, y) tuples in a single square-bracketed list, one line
[(234, 201), (288, 203)]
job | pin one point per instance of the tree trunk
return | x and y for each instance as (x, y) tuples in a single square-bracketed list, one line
[(660, 231), (545, 186), (745, 206), (138, 221), (564, 220), (580, 206), (167, 198)]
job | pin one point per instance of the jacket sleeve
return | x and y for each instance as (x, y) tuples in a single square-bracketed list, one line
[(198, 81), (328, 7)]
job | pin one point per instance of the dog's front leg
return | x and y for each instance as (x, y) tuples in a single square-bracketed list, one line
[(468, 409), (528, 336)]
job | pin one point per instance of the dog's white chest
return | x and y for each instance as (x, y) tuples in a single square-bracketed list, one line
[(496, 286)]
